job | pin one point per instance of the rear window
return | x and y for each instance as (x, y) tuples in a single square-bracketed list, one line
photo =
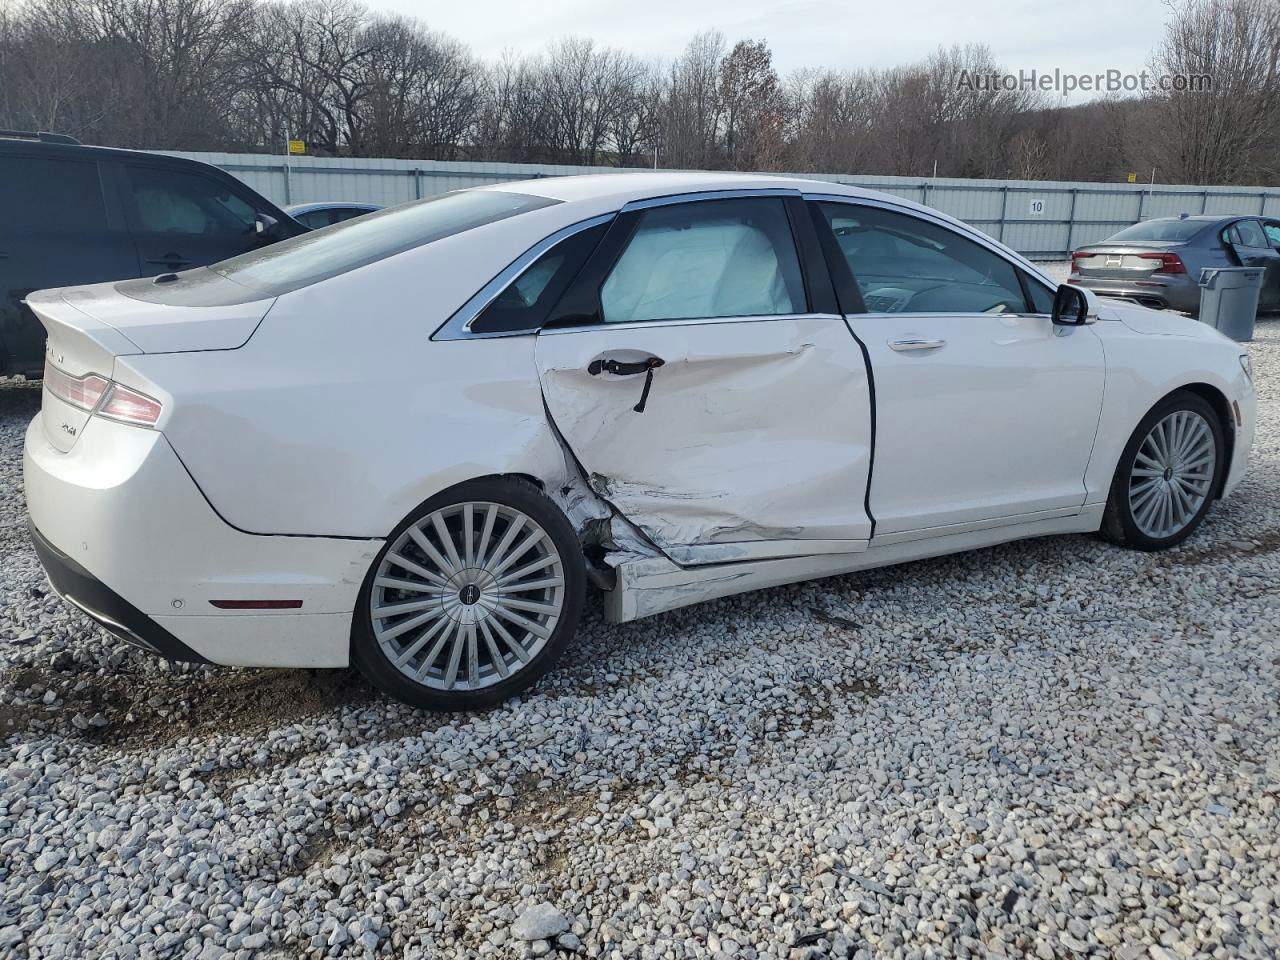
[(1173, 231), (311, 257), (303, 260)]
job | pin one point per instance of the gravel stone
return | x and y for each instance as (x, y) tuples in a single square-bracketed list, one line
[(539, 921), (1044, 749)]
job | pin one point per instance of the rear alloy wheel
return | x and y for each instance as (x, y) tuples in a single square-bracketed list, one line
[(1167, 475), (472, 599)]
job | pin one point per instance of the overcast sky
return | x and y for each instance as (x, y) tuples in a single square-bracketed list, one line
[(1022, 34)]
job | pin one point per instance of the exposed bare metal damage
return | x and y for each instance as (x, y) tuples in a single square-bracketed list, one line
[(597, 523)]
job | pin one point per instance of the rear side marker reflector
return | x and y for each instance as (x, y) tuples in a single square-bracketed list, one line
[(257, 604)]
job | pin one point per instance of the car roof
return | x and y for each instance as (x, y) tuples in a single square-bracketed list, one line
[(81, 151), (628, 186), (1206, 218), (610, 191)]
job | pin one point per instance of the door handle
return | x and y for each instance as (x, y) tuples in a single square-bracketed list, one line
[(626, 368), (623, 368), (170, 260), (915, 343)]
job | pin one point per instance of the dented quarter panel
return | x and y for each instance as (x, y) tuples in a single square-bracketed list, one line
[(755, 440)]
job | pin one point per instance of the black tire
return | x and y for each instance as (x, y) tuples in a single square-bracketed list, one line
[(1118, 522), (370, 655)]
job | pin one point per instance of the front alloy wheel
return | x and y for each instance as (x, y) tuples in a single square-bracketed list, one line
[(1167, 475), (1172, 474), (472, 598)]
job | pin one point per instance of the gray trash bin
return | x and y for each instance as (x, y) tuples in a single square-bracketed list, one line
[(1229, 299)]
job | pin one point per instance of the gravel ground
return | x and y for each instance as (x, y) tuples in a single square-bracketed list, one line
[(1045, 749)]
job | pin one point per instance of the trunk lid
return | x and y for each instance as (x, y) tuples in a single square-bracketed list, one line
[(88, 327), (1121, 260), (167, 327)]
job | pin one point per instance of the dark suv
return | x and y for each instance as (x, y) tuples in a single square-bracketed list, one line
[(74, 214)]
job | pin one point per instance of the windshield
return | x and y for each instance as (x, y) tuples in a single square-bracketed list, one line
[(1167, 230)]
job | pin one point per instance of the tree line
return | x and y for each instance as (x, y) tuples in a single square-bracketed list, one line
[(246, 75)]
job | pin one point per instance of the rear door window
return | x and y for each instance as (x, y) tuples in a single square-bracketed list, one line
[(56, 230), (705, 259), (181, 203), (58, 196)]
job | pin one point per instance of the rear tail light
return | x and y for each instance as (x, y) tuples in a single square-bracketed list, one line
[(82, 392), (1075, 260), (129, 406), (1169, 262), (102, 397)]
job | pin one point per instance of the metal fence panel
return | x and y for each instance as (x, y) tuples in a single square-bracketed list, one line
[(1042, 220)]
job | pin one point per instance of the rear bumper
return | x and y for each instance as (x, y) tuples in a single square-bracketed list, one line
[(1177, 292), (117, 615), (125, 534)]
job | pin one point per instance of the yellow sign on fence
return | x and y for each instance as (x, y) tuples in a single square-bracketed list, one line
[(297, 146), (1133, 177)]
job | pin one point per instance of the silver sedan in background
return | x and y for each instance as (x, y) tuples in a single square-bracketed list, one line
[(1157, 263)]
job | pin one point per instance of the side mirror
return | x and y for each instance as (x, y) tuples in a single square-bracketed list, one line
[(266, 227), (1074, 306)]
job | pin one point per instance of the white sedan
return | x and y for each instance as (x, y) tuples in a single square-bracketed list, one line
[(411, 441)]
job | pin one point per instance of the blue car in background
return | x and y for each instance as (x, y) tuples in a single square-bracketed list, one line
[(327, 213)]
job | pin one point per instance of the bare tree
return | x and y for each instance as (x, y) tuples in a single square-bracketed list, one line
[(1219, 135), (690, 114), (248, 74), (751, 106)]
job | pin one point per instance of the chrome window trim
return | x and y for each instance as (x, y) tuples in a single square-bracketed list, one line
[(965, 231), (458, 326), (710, 195), (687, 322)]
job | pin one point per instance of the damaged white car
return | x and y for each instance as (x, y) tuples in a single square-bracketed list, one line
[(410, 441)]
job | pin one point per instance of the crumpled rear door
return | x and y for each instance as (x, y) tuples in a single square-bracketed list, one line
[(753, 441)]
